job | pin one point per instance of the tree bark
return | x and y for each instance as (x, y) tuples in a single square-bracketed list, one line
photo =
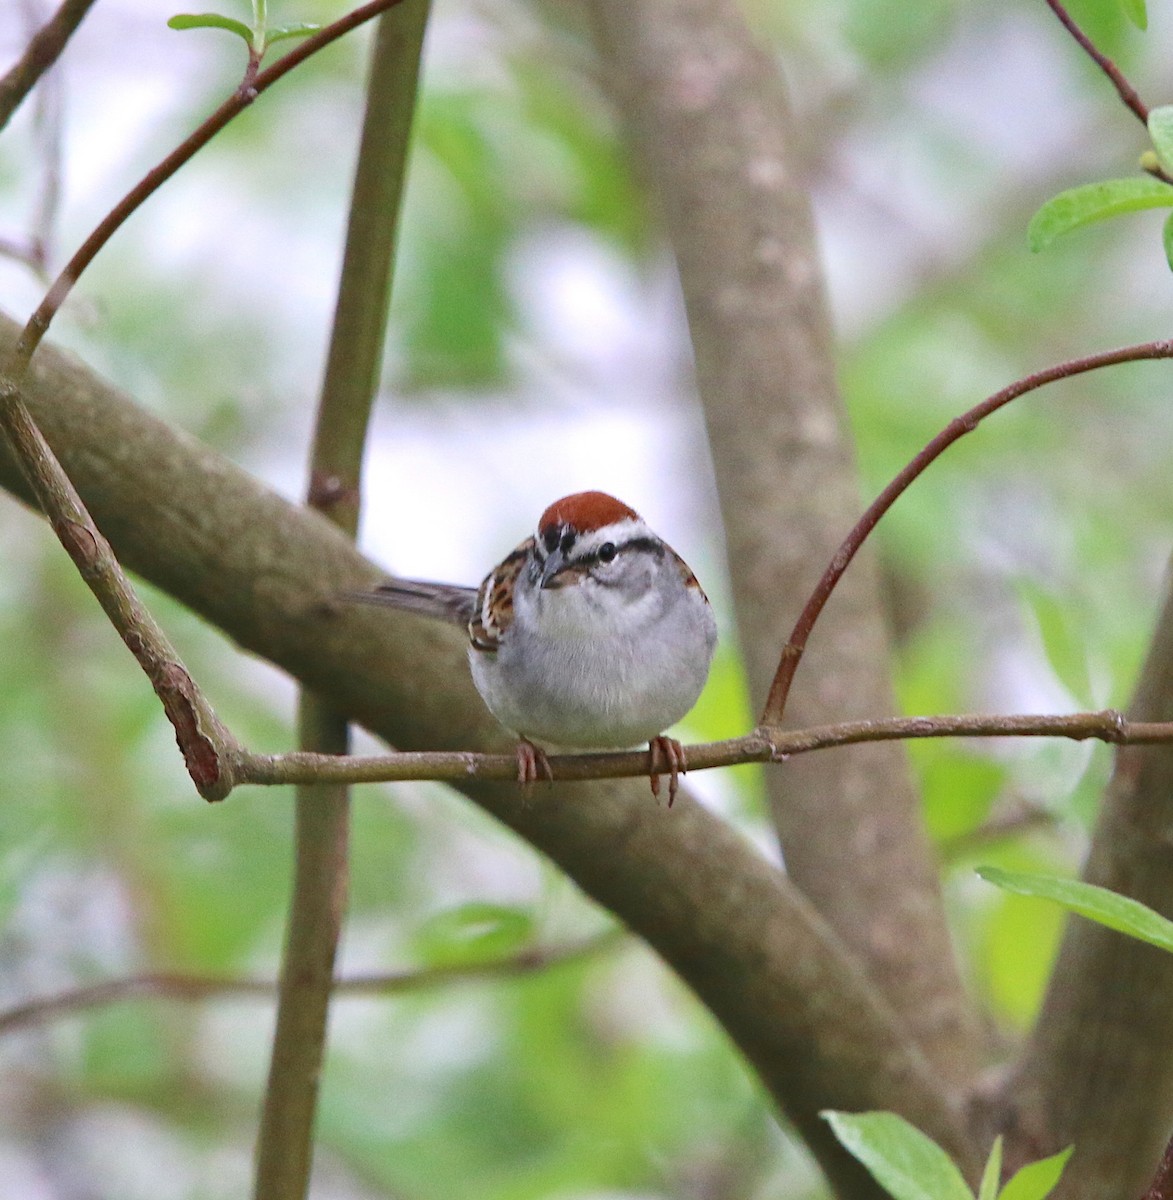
[(268, 574), (1098, 1072), (709, 118)]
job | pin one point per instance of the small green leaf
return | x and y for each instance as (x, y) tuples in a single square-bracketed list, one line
[(281, 33), (1036, 1180), (1095, 202), (1134, 10), (1064, 642), (908, 1165), (473, 933), (211, 21), (1167, 236), (1096, 903), (1161, 131), (992, 1175)]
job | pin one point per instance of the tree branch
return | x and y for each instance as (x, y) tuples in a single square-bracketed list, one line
[(208, 747), (734, 928), (711, 125), (1097, 1071), (762, 746), (43, 50), (174, 985), (954, 431), (285, 1144), (1124, 89)]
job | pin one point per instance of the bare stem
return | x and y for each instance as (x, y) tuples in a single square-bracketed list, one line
[(38, 323), (208, 748), (954, 431), (40, 54), (172, 985), (285, 1142), (1125, 89), (762, 745)]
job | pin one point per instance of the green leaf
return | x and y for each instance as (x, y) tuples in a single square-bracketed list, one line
[(211, 21), (906, 1163), (1161, 131), (1036, 1180), (1135, 11), (1096, 903), (473, 933), (1095, 202), (992, 1175), (1064, 641), (1167, 236), (281, 33)]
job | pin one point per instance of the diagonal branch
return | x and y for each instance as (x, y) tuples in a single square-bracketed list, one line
[(734, 928), (43, 50), (1124, 89), (208, 748)]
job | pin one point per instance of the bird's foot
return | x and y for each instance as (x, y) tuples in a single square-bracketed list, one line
[(532, 764), (666, 754)]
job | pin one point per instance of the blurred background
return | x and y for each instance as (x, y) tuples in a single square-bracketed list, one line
[(538, 346)]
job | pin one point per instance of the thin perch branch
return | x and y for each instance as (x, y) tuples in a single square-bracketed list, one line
[(762, 745), (954, 431)]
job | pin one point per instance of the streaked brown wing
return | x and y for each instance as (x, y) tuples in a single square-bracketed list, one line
[(494, 602)]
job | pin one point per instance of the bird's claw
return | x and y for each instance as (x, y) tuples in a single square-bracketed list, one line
[(666, 754), (532, 764)]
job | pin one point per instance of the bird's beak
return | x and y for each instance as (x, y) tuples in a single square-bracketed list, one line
[(553, 570)]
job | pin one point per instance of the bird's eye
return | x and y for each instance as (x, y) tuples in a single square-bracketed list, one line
[(607, 552)]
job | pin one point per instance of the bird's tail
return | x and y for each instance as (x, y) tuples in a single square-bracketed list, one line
[(442, 601)]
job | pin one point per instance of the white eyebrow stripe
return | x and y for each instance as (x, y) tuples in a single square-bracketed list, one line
[(618, 532)]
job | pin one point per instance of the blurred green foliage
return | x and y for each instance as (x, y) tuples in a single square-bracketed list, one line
[(1023, 574)]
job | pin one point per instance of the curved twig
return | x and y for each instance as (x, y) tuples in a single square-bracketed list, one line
[(208, 747), (956, 429), (38, 323)]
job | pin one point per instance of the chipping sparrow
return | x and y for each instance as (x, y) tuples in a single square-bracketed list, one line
[(592, 634)]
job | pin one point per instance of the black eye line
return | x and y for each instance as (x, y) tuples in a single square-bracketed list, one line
[(594, 557)]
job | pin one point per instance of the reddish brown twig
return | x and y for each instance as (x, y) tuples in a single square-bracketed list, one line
[(39, 322), (43, 50), (956, 429), (1124, 89), (208, 748)]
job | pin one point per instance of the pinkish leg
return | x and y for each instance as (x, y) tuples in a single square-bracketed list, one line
[(666, 754), (532, 764)]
